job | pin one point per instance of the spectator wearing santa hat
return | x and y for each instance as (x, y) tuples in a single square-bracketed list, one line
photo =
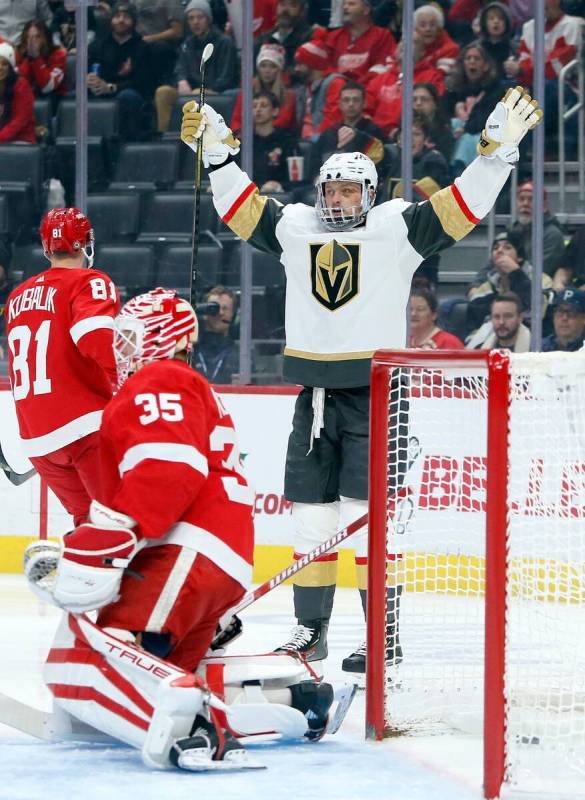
[(270, 78), (318, 96), (17, 121)]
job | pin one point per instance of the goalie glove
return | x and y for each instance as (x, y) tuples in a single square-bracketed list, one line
[(41, 560), (512, 118), (217, 139), (94, 558)]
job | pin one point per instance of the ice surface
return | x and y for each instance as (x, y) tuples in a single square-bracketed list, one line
[(341, 767)]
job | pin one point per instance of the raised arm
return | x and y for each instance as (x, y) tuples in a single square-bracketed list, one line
[(250, 215), (453, 212)]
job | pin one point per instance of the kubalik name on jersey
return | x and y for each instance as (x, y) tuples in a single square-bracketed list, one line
[(38, 298)]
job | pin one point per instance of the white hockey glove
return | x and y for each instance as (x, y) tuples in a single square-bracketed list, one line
[(41, 560), (512, 118), (217, 139), (94, 558)]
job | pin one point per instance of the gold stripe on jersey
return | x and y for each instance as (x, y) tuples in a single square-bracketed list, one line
[(455, 220), (288, 351), (244, 215), (375, 150), (319, 573)]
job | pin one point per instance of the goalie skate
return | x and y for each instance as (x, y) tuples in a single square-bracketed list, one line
[(208, 749)]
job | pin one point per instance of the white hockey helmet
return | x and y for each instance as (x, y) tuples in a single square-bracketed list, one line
[(354, 167)]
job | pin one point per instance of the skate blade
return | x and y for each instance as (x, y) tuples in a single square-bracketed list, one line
[(344, 697), (194, 762)]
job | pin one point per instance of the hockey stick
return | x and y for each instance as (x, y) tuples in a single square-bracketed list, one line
[(16, 478), (206, 55), (300, 564)]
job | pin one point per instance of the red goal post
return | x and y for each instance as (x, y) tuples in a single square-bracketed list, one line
[(477, 556)]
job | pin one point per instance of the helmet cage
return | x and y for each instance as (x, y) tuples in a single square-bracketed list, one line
[(351, 168), (151, 327)]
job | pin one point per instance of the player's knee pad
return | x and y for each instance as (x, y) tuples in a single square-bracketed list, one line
[(350, 510), (314, 523)]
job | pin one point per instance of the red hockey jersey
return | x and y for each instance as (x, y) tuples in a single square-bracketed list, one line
[(354, 58), (170, 459), (61, 364)]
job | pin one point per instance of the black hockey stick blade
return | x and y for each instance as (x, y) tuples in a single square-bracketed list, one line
[(16, 478)]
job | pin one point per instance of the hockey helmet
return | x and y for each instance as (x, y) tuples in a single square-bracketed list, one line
[(67, 230), (151, 327), (353, 167)]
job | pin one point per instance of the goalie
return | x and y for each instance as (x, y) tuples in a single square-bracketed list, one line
[(349, 266), (168, 550)]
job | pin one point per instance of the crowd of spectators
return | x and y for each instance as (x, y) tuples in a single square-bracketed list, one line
[(328, 78)]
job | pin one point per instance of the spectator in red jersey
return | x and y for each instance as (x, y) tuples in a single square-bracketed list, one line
[(496, 34), (61, 360), (41, 61), (17, 120), (318, 96), (472, 87), (439, 49), (269, 78), (424, 332), (291, 30), (561, 37), (355, 133), (359, 48), (384, 91)]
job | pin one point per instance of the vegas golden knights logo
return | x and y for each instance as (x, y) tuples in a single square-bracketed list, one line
[(335, 273)]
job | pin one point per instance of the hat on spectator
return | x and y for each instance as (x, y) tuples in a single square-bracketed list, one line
[(273, 53), (514, 239), (7, 52), (126, 8), (313, 55), (570, 297), (5, 255), (200, 5)]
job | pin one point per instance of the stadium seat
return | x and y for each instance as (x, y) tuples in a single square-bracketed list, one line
[(169, 217), (70, 72), (130, 266), (187, 168), (43, 113), (29, 259), (102, 127), (102, 118), (114, 217), (143, 166), (21, 176), (174, 267), (266, 270), (6, 227)]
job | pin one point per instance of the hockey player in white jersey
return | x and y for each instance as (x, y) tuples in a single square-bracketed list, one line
[(349, 265)]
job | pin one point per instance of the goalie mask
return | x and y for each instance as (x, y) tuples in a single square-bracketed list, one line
[(353, 168), (153, 326)]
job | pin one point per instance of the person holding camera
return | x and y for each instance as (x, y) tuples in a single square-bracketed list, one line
[(216, 355)]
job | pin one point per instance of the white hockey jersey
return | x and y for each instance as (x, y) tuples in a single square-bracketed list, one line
[(347, 291)]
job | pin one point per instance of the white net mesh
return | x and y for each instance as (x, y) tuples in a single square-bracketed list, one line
[(437, 448)]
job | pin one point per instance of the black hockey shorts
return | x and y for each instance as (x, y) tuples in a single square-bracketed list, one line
[(338, 463)]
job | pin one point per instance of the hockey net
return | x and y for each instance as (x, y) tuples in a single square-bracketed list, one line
[(476, 606)]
